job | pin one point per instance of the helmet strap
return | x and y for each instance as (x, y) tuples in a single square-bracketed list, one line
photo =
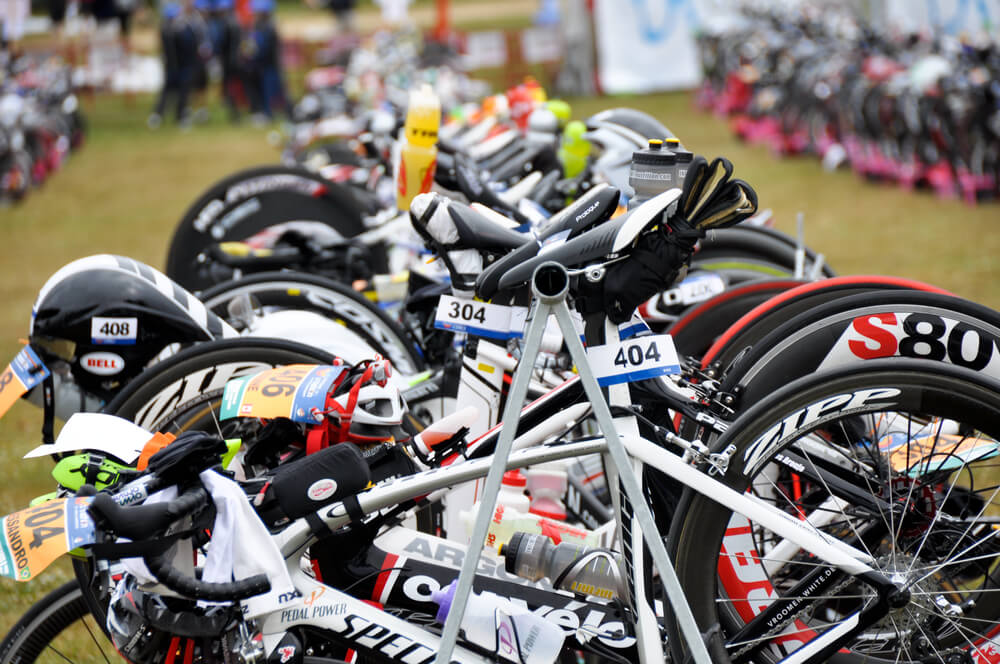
[(49, 416)]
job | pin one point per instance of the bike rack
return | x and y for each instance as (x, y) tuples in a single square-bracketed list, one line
[(549, 288)]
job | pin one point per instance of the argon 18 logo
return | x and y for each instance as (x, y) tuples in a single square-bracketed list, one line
[(918, 335)]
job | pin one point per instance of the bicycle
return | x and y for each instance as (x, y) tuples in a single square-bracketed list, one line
[(789, 527)]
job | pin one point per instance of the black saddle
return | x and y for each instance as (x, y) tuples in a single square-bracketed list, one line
[(591, 209)]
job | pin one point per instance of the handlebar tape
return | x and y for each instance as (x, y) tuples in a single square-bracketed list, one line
[(165, 573), (140, 522)]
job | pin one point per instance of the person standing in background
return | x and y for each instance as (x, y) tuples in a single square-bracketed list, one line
[(179, 43), (224, 33), (265, 70)]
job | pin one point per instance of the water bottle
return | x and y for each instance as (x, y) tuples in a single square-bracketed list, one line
[(507, 521), (547, 486), (652, 172), (498, 625), (512, 491), (683, 157), (418, 149), (574, 567), (574, 149)]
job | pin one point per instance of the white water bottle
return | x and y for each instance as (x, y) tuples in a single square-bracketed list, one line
[(513, 633)]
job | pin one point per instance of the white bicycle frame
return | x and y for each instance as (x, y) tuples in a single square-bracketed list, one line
[(625, 451)]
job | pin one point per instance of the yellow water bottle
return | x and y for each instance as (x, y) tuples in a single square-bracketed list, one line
[(418, 149)]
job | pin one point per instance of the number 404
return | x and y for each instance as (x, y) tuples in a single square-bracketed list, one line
[(634, 355)]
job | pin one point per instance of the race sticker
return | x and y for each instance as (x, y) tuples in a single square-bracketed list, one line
[(33, 538), (296, 391), (114, 331), (694, 288), (478, 318), (634, 359), (23, 373), (933, 453)]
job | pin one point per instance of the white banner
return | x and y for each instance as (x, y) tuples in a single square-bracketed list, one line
[(954, 17), (646, 45)]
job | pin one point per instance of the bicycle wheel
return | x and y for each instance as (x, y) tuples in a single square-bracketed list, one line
[(57, 628), (695, 329), (896, 458), (306, 292), (770, 314), (750, 252), (249, 201), (857, 328), (192, 381)]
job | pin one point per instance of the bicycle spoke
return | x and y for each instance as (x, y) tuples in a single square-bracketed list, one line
[(95, 640)]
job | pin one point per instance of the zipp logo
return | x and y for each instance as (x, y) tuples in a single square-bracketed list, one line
[(807, 417)]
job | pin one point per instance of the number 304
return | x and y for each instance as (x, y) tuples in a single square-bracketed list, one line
[(467, 312), (634, 355)]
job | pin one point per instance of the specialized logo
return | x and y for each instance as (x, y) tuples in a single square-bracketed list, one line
[(286, 652), (808, 417), (322, 489), (102, 364)]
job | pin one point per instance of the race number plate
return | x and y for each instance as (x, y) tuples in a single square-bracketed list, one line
[(23, 373), (694, 288), (634, 359), (33, 538), (114, 331), (477, 318), (297, 391)]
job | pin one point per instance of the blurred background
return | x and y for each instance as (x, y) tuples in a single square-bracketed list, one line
[(164, 100)]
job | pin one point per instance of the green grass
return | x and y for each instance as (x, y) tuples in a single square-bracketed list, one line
[(126, 189)]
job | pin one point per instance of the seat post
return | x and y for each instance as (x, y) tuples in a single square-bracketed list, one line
[(550, 287)]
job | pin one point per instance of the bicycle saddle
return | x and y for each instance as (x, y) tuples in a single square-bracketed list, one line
[(591, 209), (477, 190), (597, 244), (448, 224)]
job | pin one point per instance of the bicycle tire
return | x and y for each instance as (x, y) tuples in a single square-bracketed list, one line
[(696, 329), (753, 252), (203, 370), (864, 327), (706, 538), (308, 292), (760, 320), (268, 195), (31, 637)]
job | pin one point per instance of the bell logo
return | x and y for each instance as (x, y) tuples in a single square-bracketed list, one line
[(102, 364)]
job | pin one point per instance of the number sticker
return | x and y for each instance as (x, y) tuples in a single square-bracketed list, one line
[(634, 359), (296, 391), (479, 318), (117, 331), (23, 373), (32, 539), (694, 288)]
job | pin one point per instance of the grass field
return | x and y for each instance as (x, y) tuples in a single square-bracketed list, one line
[(126, 189)]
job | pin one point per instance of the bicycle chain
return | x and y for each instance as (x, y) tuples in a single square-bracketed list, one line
[(751, 646)]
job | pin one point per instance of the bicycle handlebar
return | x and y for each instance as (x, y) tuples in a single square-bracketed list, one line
[(159, 565), (143, 521)]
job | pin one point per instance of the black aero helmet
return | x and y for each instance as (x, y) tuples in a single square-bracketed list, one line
[(109, 316)]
